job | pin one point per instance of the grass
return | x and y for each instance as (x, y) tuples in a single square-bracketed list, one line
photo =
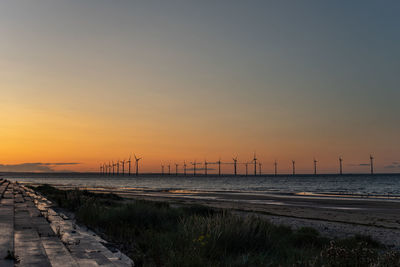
[(156, 234), (11, 256)]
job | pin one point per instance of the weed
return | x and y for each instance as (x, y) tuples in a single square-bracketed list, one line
[(11, 256)]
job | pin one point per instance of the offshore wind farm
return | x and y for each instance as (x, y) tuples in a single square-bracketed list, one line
[(236, 175), (215, 167)]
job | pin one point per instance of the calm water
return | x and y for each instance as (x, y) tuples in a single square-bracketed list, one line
[(379, 184)]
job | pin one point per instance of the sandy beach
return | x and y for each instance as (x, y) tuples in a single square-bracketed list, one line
[(332, 216)]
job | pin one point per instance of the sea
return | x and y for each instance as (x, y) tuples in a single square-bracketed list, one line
[(379, 185)]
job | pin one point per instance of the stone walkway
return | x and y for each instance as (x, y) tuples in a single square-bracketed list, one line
[(33, 234)]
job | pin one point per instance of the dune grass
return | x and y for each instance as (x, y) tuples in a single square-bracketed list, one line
[(156, 234)]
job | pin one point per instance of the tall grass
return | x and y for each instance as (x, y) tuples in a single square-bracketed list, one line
[(155, 234)]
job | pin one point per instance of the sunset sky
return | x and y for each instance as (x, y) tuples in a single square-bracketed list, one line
[(91, 81)]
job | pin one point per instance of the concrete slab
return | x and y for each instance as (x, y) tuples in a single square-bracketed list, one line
[(29, 249), (57, 253), (6, 231), (25, 229)]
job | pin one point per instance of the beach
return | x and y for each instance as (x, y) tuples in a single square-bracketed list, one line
[(332, 216)]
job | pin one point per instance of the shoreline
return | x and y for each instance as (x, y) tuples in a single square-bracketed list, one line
[(332, 217)]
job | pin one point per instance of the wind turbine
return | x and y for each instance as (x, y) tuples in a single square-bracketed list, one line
[(205, 167), (137, 164), (315, 166), (101, 169), (169, 169), (276, 168), (246, 168), (294, 167), (129, 165), (340, 165), (123, 167), (255, 164), (194, 167), (109, 166), (371, 159), (113, 168), (118, 167), (184, 168), (162, 169), (176, 169), (219, 167), (235, 165)]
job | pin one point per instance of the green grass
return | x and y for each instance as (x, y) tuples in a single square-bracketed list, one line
[(156, 234)]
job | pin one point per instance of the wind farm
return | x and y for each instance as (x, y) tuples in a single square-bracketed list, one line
[(217, 168)]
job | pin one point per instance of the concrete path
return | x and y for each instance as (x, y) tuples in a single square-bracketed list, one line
[(33, 234)]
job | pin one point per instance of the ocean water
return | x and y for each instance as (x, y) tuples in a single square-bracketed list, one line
[(373, 185)]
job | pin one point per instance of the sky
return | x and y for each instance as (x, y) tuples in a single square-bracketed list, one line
[(85, 82)]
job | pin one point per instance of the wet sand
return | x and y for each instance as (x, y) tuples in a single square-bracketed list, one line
[(333, 216)]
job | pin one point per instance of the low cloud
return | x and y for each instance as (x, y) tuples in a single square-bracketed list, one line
[(391, 166), (34, 167), (200, 169), (364, 164), (360, 165), (394, 165)]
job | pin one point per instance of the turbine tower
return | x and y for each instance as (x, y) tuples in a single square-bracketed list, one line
[(176, 169), (194, 167), (184, 168), (123, 167), (315, 166), (109, 166), (235, 165), (162, 169), (101, 169), (294, 167), (371, 159), (247, 164), (255, 164), (118, 167), (276, 168), (340, 165), (129, 165), (169, 169), (205, 167), (219, 167), (137, 164), (113, 165)]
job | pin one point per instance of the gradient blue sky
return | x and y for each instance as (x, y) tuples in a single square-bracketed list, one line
[(177, 80)]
